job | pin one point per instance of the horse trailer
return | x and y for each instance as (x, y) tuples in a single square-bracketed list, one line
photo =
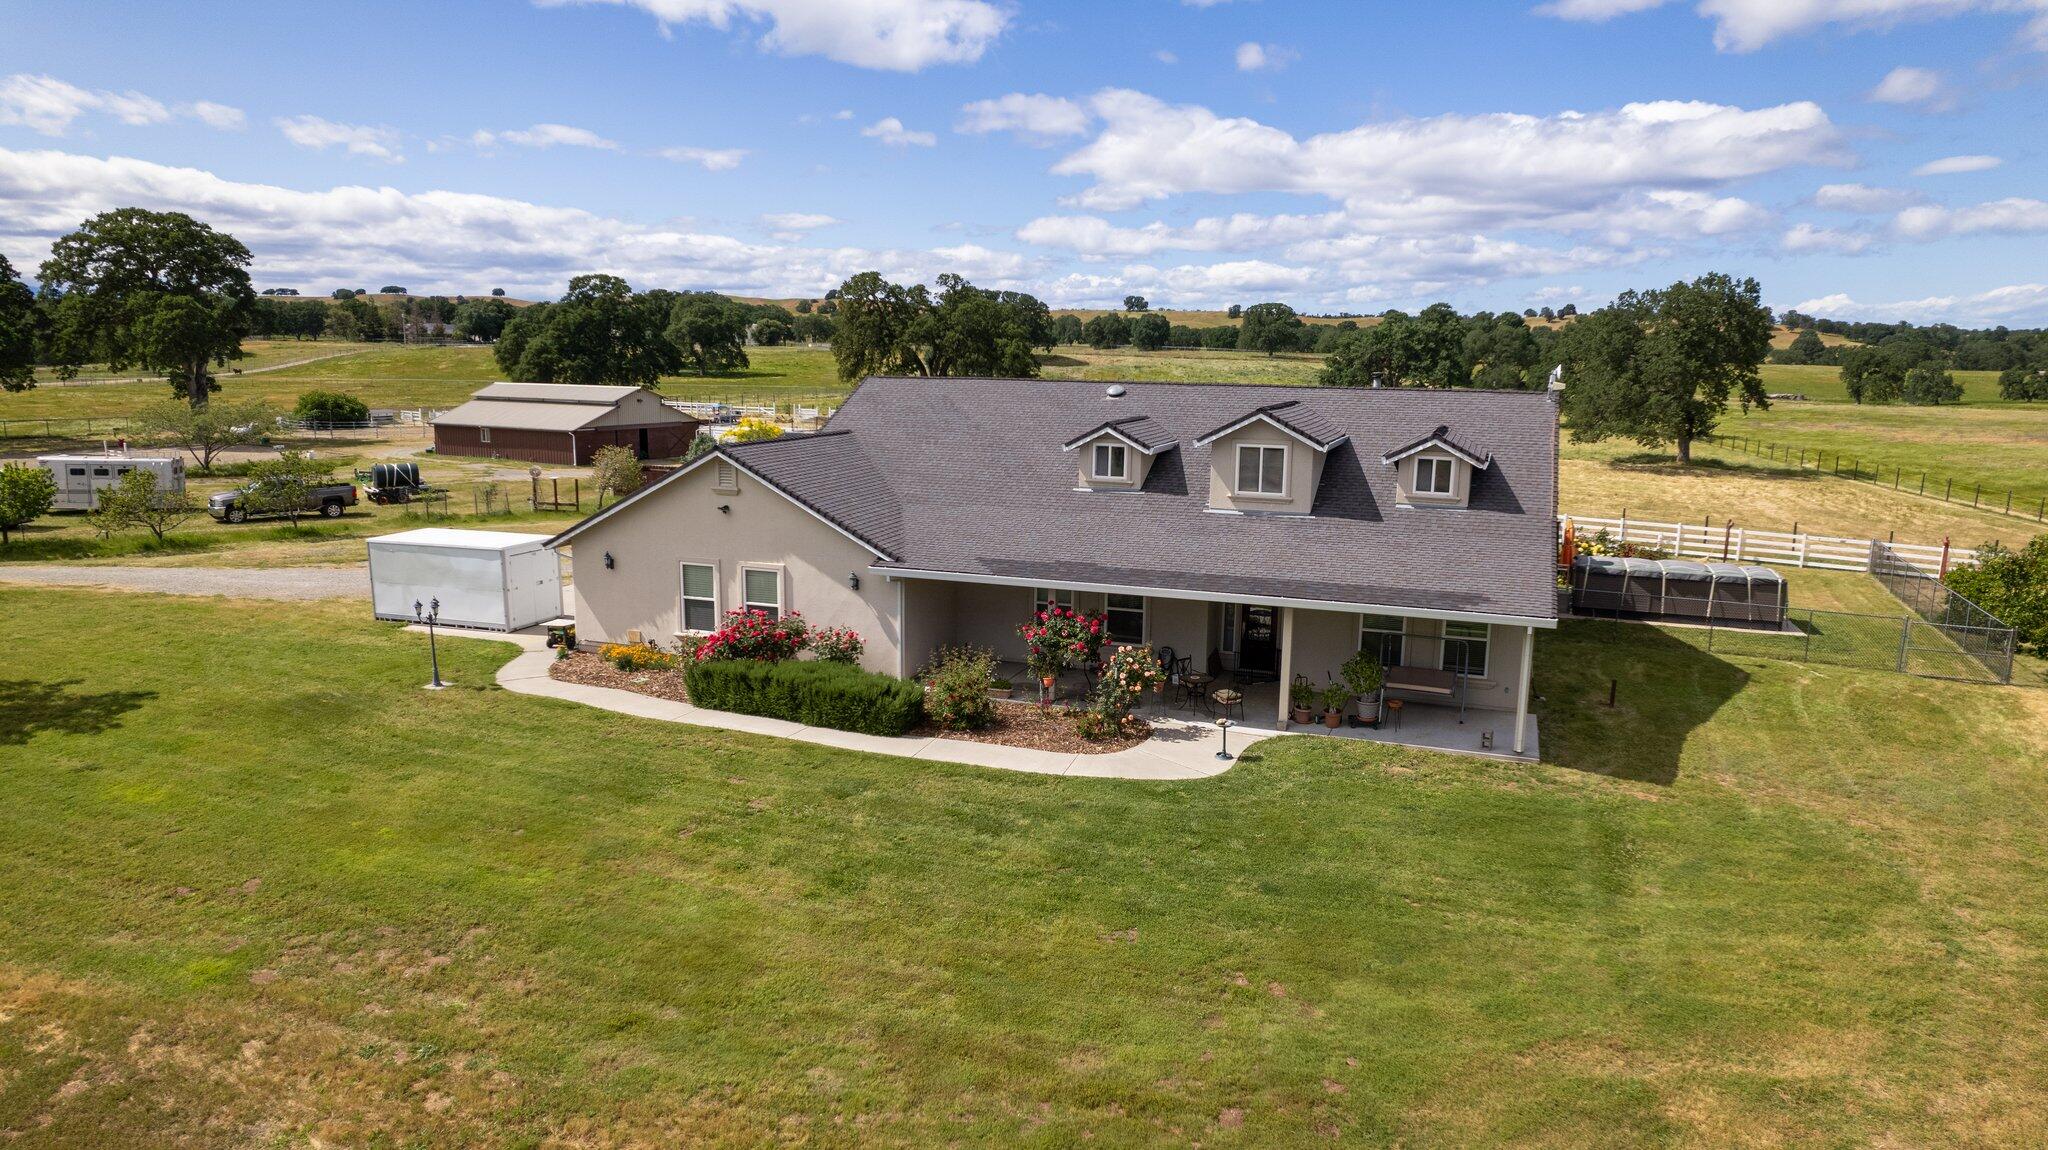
[(80, 477)]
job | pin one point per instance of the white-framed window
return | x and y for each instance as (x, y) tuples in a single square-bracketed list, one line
[(1471, 638), (1261, 469), (1229, 643), (1110, 461), (1385, 636), (1125, 618), (700, 597), (483, 435), (1045, 597), (1432, 476), (761, 590)]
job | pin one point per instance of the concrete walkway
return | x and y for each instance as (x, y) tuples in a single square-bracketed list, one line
[(351, 582), (1178, 749)]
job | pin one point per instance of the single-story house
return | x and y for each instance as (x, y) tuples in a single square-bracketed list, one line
[(563, 423), (1272, 530)]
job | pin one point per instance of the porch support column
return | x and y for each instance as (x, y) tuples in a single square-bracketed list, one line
[(1522, 691), (1286, 664)]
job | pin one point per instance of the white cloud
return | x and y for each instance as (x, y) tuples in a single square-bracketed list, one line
[(50, 106), (710, 159), (1746, 25), (545, 136), (799, 221), (1037, 118), (1957, 165), (1810, 238), (2012, 216), (447, 241), (843, 114), (358, 139), (1861, 198), (1149, 150), (2014, 304), (892, 35), (1909, 85), (1256, 57), (1165, 56), (1595, 11), (215, 115), (890, 130)]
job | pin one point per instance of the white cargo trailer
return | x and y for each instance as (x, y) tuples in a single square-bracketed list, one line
[(493, 580), (80, 477)]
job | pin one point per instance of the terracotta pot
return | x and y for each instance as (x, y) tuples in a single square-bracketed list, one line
[(1046, 680), (1303, 716), (1333, 719)]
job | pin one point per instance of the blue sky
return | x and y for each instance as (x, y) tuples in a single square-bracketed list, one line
[(1870, 159)]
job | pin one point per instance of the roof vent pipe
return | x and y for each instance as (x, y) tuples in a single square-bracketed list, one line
[(1114, 391)]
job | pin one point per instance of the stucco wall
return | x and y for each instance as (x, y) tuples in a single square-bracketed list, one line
[(1304, 468), (680, 523), (1323, 640), (1404, 482), (930, 609)]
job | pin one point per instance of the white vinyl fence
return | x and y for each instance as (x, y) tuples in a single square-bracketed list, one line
[(1732, 544)]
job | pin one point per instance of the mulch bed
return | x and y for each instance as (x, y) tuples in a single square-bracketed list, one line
[(1021, 724), (1018, 724), (586, 668)]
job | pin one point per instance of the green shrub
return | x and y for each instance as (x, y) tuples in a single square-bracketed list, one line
[(816, 694), (331, 407), (2012, 585), (959, 678)]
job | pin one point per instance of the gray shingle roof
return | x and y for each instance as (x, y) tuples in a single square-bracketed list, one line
[(967, 476), (1143, 430), (1294, 415), (1441, 435)]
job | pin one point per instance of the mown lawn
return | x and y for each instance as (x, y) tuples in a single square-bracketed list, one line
[(258, 888)]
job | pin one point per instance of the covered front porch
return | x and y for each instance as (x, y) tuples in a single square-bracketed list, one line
[(1461, 684)]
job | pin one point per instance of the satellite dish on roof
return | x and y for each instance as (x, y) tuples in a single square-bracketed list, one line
[(1114, 391)]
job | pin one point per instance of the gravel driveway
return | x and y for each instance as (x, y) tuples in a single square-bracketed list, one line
[(352, 582)]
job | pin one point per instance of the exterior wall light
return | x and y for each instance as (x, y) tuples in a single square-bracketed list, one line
[(853, 580), (608, 564)]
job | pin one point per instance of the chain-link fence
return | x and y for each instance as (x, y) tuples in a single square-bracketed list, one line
[(1977, 632), (1916, 644)]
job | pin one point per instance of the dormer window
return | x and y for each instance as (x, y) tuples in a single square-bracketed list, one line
[(1111, 461), (1433, 476), (1262, 470)]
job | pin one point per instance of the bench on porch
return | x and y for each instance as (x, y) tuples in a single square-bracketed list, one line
[(1431, 682)]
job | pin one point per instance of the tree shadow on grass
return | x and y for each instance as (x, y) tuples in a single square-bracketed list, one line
[(1665, 687), (1652, 461), (29, 708)]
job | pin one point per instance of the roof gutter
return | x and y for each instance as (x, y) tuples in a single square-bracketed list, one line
[(1214, 597)]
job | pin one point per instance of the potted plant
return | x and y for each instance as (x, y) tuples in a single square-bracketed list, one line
[(1301, 700), (1335, 698), (1364, 676), (999, 687)]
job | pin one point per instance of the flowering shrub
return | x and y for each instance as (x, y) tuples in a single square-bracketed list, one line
[(958, 681), (1125, 675), (754, 635), (836, 644), (1061, 637), (638, 657), (1603, 542)]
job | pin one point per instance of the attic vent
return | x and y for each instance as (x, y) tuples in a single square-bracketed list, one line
[(1114, 391), (727, 479)]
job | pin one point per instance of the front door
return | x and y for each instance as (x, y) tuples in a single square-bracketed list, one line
[(1258, 644), (643, 444)]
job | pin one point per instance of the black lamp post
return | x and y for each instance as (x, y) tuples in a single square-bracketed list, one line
[(430, 615), (1224, 725)]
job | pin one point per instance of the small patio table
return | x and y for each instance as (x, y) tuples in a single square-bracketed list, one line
[(1197, 690)]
